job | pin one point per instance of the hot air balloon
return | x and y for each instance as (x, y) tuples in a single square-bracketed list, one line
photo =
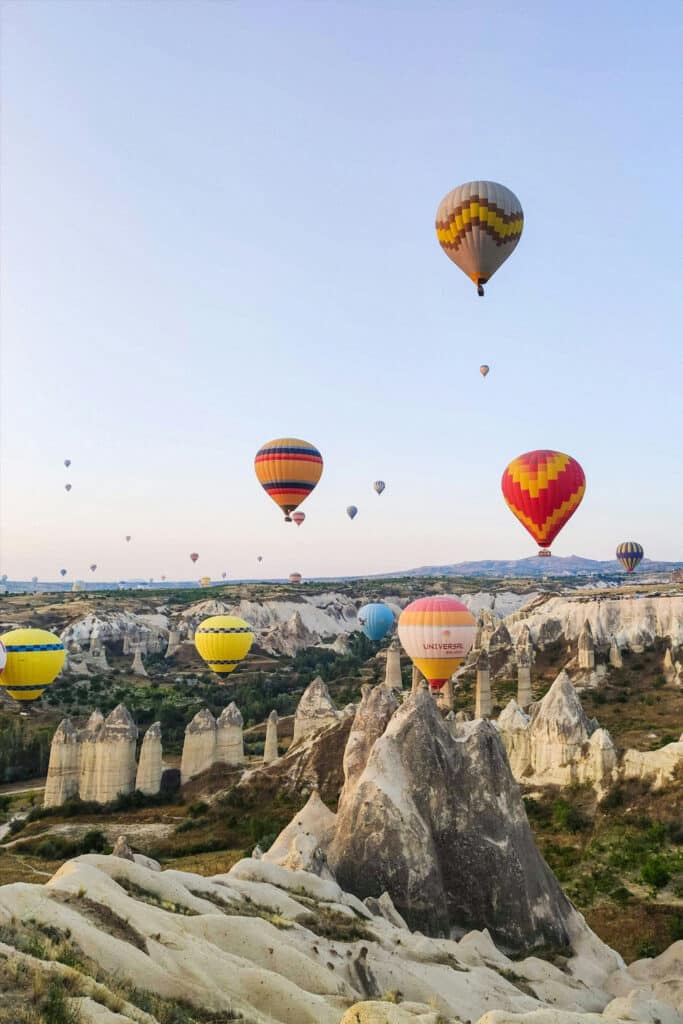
[(295, 577), (223, 641), (376, 620), (67, 487), (93, 567), (62, 572), (379, 486), (437, 634), (128, 538), (484, 370), (298, 517), (34, 580), (630, 553), (543, 489), (288, 469), (205, 581), (34, 659), (224, 575), (194, 556), (478, 225), (163, 577), (67, 462), (352, 511), (259, 558)]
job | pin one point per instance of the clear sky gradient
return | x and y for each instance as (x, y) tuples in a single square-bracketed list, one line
[(218, 229)]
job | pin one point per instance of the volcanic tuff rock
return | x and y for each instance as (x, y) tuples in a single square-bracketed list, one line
[(229, 738), (315, 710), (199, 745), (438, 822), (270, 750), (632, 621), (148, 778), (300, 845), (376, 708), (226, 958), (62, 772), (115, 766)]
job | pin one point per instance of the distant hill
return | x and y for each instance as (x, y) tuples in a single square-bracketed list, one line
[(573, 565)]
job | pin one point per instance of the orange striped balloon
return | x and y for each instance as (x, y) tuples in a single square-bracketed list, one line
[(437, 633), (543, 489), (288, 470)]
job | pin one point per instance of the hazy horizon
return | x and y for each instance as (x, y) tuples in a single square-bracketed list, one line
[(218, 228)]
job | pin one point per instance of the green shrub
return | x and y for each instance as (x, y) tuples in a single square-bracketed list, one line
[(567, 817), (655, 872)]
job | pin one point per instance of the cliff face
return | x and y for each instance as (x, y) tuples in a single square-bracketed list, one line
[(633, 622)]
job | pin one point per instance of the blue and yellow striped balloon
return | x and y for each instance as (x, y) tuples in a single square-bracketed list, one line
[(630, 553), (34, 660)]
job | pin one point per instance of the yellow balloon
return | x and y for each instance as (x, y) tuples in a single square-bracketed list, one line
[(223, 641), (205, 581), (34, 660)]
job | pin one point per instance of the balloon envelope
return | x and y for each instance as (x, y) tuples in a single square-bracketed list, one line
[(630, 553), (295, 577), (67, 462), (478, 225), (67, 487), (543, 489), (194, 556), (375, 620), (34, 659), (288, 470), (379, 486), (93, 567), (484, 370), (127, 537), (259, 558), (205, 581), (62, 572), (223, 641), (437, 633), (224, 575), (298, 518), (352, 511)]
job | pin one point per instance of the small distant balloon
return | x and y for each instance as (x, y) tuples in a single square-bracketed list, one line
[(295, 577), (151, 579), (484, 370), (259, 558), (379, 486), (194, 556), (630, 554), (298, 517), (62, 572), (34, 579), (128, 537), (352, 511), (93, 567), (163, 577), (67, 487), (67, 462), (224, 575)]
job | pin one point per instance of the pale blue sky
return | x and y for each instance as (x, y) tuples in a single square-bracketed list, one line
[(218, 229)]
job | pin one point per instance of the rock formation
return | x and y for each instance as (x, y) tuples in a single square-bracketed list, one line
[(513, 724), (671, 669), (615, 658), (148, 778), (138, 667), (173, 643), (658, 767), (524, 696), (371, 719), (438, 822), (270, 750), (524, 644), (87, 785), (229, 740), (315, 710), (586, 647), (483, 704), (416, 679), (444, 696), (393, 678), (62, 771), (300, 845), (199, 746), (114, 767)]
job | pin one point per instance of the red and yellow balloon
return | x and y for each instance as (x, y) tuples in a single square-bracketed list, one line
[(543, 489)]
